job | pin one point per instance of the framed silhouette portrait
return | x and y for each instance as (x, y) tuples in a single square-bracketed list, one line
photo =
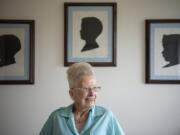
[(163, 51), (17, 51), (90, 33)]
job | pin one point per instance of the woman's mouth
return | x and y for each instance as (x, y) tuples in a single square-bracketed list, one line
[(90, 98)]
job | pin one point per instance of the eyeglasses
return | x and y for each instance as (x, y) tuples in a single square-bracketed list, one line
[(95, 89)]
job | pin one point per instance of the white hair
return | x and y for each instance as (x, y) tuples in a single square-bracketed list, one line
[(77, 70)]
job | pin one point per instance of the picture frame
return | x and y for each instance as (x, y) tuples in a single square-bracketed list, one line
[(90, 33), (17, 51), (162, 37)]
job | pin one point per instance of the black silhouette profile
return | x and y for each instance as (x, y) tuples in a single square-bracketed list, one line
[(9, 46), (91, 27), (171, 52)]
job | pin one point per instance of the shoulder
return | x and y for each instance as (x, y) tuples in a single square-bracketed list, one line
[(62, 111), (99, 110)]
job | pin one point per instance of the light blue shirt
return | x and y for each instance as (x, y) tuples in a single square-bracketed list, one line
[(100, 122)]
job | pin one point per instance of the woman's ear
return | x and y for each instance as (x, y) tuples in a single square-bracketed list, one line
[(71, 93)]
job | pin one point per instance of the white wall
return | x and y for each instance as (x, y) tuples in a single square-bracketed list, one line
[(141, 108)]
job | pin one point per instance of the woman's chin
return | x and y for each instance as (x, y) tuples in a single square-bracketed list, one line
[(90, 103)]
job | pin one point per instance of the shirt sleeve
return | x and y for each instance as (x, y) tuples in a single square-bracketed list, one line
[(117, 129), (47, 128)]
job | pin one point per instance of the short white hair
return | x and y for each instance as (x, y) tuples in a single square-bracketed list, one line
[(77, 70)]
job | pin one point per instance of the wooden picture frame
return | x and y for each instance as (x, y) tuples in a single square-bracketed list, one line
[(162, 51), (17, 51), (90, 33)]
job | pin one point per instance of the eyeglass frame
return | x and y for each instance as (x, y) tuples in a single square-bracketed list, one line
[(88, 89)]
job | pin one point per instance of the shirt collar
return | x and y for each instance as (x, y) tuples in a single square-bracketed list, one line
[(67, 111), (97, 111)]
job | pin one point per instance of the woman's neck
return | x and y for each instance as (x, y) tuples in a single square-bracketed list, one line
[(80, 116), (79, 110)]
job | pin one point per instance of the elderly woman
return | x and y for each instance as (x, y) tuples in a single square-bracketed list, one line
[(82, 117)]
